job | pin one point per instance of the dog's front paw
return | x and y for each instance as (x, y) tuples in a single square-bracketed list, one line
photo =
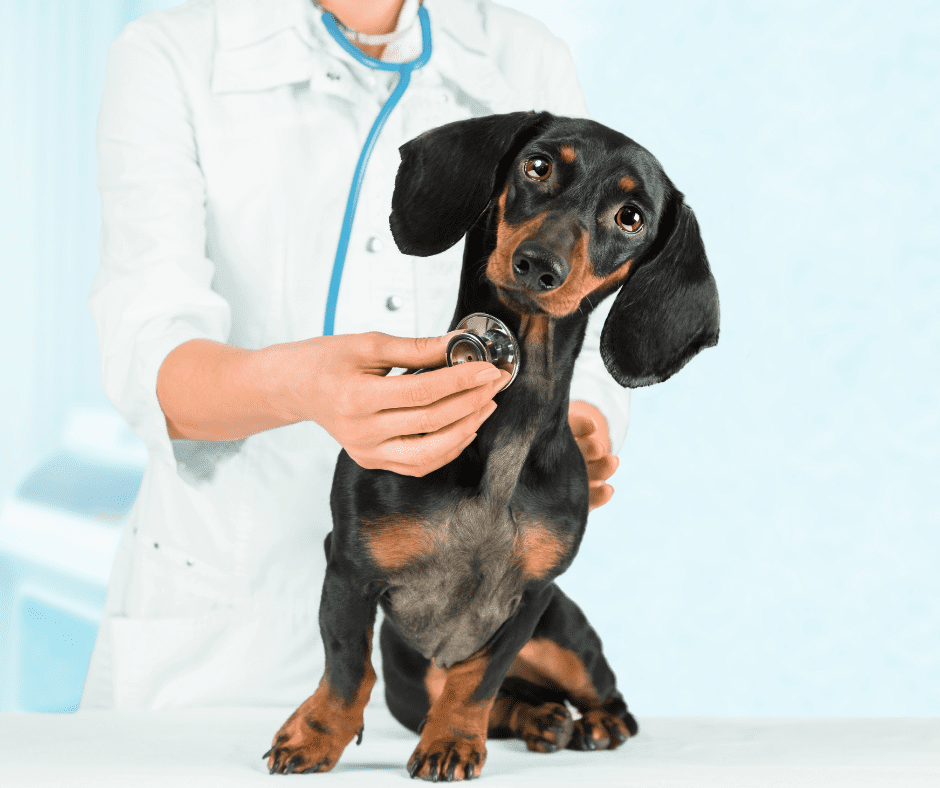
[(451, 758), (599, 729), (314, 736), (305, 744)]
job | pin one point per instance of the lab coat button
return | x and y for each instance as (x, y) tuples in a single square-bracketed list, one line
[(393, 303), (374, 244)]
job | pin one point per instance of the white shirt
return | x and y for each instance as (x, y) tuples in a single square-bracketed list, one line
[(228, 134)]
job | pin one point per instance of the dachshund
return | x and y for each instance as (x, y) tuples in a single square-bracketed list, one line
[(477, 639)]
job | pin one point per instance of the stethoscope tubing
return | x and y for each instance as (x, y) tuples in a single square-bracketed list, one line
[(404, 70)]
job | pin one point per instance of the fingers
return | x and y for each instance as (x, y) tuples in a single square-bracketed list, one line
[(440, 414), (414, 455), (581, 426), (438, 462), (601, 470), (600, 496), (408, 352), (593, 447), (415, 391), (585, 419)]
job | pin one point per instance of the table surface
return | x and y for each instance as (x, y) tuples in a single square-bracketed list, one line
[(222, 747)]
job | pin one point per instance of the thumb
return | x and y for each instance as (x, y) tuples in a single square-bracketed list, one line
[(411, 352)]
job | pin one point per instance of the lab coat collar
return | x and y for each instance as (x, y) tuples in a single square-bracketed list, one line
[(260, 45), (267, 43)]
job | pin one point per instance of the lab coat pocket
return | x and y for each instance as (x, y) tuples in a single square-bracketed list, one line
[(244, 656), (161, 662)]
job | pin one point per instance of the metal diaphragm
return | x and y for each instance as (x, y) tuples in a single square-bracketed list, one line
[(485, 338)]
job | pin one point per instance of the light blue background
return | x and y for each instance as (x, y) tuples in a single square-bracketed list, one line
[(773, 547)]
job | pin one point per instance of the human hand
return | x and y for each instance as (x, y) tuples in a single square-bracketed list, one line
[(591, 433), (410, 424)]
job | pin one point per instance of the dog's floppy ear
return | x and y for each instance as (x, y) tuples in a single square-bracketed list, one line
[(667, 310), (447, 176)]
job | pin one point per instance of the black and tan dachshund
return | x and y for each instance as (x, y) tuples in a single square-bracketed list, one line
[(477, 639)]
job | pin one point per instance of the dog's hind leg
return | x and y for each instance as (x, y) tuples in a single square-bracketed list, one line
[(564, 660), (531, 712), (459, 697)]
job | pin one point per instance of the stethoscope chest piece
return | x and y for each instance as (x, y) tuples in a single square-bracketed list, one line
[(485, 338)]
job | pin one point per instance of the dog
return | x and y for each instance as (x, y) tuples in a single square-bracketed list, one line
[(477, 639)]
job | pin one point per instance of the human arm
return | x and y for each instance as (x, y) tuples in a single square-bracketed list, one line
[(410, 424), (165, 328)]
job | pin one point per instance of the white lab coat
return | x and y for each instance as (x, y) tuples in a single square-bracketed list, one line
[(228, 134)]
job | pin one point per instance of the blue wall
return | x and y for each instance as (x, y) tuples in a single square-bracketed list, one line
[(774, 543), (52, 59)]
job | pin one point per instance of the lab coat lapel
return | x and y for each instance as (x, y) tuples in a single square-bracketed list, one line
[(268, 44), (462, 55)]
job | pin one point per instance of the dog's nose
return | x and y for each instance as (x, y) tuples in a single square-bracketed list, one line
[(538, 268)]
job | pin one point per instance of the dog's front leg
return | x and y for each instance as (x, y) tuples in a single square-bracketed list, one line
[(316, 734), (453, 736)]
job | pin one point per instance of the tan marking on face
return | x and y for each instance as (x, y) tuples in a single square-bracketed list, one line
[(454, 715), (538, 550), (508, 237), (395, 540), (565, 300), (568, 153), (324, 724), (581, 282), (627, 183), (542, 661)]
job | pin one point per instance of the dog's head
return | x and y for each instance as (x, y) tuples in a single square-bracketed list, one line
[(581, 210)]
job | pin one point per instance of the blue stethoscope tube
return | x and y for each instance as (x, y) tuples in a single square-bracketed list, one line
[(404, 77)]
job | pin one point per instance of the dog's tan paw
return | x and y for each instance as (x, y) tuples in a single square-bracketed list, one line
[(448, 759), (598, 730), (305, 744), (545, 728)]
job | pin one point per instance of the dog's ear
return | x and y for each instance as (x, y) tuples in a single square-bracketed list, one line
[(447, 177), (667, 309)]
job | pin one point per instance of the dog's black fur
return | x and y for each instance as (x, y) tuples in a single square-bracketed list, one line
[(477, 638)]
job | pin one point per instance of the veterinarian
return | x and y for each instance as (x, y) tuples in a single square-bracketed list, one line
[(227, 139)]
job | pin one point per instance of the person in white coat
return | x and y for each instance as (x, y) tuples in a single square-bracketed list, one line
[(228, 134)]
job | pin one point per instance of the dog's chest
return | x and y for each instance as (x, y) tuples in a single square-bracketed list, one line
[(457, 573), (454, 596)]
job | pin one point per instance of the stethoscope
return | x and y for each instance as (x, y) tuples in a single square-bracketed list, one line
[(404, 77), (482, 337)]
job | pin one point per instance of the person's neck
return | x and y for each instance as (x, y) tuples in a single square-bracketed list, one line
[(374, 17)]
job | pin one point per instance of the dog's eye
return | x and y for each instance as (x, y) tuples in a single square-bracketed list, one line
[(537, 168), (629, 219)]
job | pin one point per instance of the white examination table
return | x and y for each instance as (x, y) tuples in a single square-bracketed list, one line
[(223, 747)]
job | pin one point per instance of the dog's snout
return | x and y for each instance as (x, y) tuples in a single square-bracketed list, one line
[(538, 268)]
